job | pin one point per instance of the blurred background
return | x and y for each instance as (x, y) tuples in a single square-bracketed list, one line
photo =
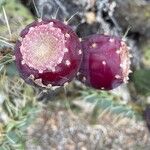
[(76, 117)]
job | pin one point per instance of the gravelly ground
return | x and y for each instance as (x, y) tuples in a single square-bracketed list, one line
[(64, 130)]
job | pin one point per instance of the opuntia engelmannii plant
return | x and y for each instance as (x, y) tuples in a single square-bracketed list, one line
[(105, 62), (48, 53)]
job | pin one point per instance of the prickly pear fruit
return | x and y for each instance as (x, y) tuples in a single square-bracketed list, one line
[(48, 53), (105, 63)]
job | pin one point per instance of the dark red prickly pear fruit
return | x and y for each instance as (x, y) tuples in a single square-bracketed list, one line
[(48, 53), (105, 63)]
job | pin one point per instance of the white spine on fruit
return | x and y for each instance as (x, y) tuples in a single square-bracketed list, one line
[(104, 62), (68, 62)]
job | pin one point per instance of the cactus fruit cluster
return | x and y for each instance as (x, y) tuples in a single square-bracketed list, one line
[(49, 54)]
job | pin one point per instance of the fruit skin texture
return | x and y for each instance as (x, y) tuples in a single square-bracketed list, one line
[(48, 53), (105, 63)]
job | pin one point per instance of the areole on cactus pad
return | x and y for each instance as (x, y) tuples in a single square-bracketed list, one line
[(106, 62), (48, 53)]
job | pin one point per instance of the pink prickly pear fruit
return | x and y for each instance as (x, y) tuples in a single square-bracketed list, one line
[(106, 62), (48, 54)]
